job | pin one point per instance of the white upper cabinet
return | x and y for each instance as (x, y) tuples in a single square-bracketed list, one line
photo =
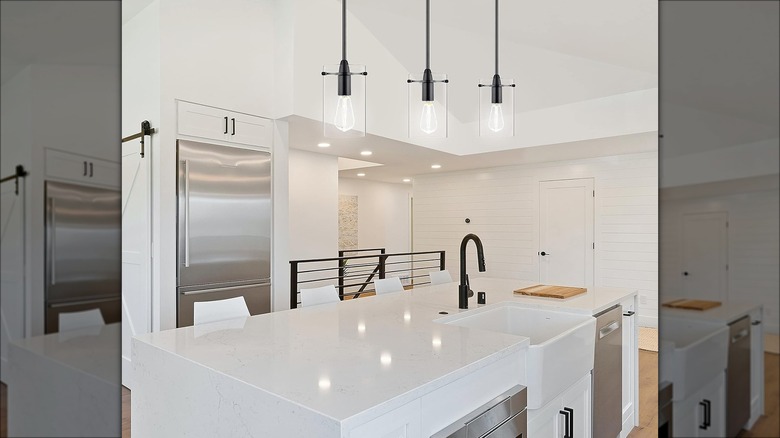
[(219, 124), (81, 169)]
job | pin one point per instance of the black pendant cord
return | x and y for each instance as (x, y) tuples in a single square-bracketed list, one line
[(427, 34), (343, 29), (496, 36)]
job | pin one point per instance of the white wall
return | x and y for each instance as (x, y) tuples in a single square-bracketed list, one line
[(753, 239), (503, 205), (384, 219), (313, 204), (15, 148), (214, 53)]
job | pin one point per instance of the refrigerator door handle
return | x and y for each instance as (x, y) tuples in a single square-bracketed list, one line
[(52, 246), (219, 289), (186, 213)]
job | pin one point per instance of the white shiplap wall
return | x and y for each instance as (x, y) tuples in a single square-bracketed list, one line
[(753, 243), (503, 205)]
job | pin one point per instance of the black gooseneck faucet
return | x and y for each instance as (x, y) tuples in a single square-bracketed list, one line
[(464, 292)]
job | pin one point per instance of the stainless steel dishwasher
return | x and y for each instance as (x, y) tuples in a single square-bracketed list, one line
[(608, 374), (503, 417), (738, 376)]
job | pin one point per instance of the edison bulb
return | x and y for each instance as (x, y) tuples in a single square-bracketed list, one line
[(428, 122), (344, 119), (496, 118)]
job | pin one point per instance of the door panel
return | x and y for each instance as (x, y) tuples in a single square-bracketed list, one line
[(82, 242), (224, 214), (257, 296), (12, 268), (705, 250), (136, 249), (566, 232)]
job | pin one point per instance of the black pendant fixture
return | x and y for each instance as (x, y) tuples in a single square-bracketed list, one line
[(423, 120), (344, 100), (493, 102)]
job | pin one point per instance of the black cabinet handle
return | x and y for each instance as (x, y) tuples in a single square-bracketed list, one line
[(85, 168), (568, 416), (91, 170), (544, 253), (567, 431), (629, 313), (685, 273), (233, 120), (703, 424), (707, 413), (755, 323), (226, 125)]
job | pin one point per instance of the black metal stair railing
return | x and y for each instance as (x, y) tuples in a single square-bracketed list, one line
[(355, 270)]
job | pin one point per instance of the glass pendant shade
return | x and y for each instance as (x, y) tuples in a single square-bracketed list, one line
[(496, 119), (427, 119), (344, 116)]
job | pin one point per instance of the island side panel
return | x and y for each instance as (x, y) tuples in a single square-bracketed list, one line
[(173, 396)]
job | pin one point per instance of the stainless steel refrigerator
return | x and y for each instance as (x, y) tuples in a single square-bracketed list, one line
[(82, 258), (224, 227)]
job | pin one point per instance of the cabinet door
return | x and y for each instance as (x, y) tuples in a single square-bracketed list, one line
[(687, 416), (403, 422), (546, 421), (78, 168), (250, 130), (712, 409), (203, 121), (577, 402), (756, 365), (629, 365), (104, 173)]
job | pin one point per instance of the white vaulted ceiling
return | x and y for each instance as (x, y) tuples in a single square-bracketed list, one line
[(585, 70)]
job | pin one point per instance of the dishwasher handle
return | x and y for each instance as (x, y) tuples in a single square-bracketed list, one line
[(609, 328), (739, 336)]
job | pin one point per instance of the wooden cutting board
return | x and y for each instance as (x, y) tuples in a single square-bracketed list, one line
[(549, 291), (692, 304)]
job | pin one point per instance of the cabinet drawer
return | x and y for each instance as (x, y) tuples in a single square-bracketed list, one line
[(71, 167)]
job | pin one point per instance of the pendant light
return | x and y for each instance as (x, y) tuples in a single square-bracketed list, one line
[(496, 108), (344, 97), (427, 118)]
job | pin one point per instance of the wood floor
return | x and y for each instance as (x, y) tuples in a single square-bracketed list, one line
[(767, 426)]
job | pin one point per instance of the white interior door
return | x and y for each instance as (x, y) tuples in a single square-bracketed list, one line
[(704, 267), (12, 298), (566, 232), (136, 250)]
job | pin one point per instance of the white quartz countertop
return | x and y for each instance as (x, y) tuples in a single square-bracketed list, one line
[(724, 314), (93, 350), (371, 354), (502, 289)]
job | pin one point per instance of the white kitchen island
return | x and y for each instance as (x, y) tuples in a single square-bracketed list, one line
[(377, 366)]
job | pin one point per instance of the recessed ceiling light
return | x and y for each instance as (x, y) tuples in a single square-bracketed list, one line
[(435, 166), (407, 180), (366, 153), (361, 174), (323, 145)]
